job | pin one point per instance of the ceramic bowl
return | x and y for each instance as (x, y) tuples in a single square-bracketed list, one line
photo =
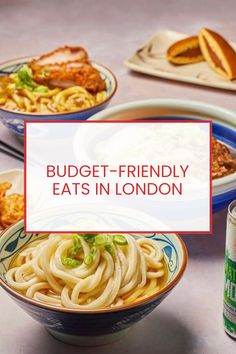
[(15, 120), (223, 127), (90, 327)]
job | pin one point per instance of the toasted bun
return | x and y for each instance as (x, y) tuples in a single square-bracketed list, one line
[(218, 53), (185, 51)]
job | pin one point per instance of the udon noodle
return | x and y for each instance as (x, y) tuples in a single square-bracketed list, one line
[(88, 271), (55, 100)]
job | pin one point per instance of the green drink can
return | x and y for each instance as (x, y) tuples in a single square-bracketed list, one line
[(229, 312)]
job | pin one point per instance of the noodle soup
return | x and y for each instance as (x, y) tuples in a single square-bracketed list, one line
[(28, 260), (63, 80), (89, 271)]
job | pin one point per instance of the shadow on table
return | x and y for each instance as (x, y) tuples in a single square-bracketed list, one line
[(160, 333), (176, 83)]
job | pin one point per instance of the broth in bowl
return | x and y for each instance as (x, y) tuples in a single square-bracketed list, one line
[(60, 81), (58, 85), (44, 265), (89, 271)]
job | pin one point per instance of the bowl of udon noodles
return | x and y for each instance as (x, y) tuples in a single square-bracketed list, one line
[(88, 289), (63, 84)]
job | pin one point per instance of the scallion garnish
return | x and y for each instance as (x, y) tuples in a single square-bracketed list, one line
[(77, 245), (93, 251), (110, 248), (25, 80), (88, 259), (41, 89), (70, 262), (120, 240), (88, 237), (101, 240)]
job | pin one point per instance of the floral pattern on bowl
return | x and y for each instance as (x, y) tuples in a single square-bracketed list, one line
[(15, 120), (90, 327)]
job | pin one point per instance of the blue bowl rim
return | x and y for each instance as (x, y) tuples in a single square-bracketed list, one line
[(160, 292), (42, 115)]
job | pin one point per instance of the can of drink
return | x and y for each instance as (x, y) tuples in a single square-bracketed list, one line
[(229, 312)]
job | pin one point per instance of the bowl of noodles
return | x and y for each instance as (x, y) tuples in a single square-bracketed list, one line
[(62, 84), (88, 289)]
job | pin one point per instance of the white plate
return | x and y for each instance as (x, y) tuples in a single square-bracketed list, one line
[(151, 59), (16, 178)]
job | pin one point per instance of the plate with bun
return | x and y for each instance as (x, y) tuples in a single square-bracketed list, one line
[(205, 58)]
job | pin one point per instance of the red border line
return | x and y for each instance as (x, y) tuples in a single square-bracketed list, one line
[(25, 173), (210, 231), (210, 180), (119, 121), (123, 232)]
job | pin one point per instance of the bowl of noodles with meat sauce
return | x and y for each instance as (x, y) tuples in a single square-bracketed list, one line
[(22, 98), (88, 289)]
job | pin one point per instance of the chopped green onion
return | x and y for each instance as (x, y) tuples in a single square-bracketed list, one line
[(77, 241), (41, 89), (88, 259), (25, 75), (93, 251), (70, 262), (25, 80), (120, 240), (110, 248), (88, 237), (101, 240), (77, 245)]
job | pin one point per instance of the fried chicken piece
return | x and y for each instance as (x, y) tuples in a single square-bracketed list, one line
[(67, 67), (60, 56), (223, 162), (11, 209), (4, 186), (11, 206), (71, 74)]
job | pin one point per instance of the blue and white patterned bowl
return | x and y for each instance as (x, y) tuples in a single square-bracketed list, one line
[(223, 129), (15, 120), (90, 327)]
